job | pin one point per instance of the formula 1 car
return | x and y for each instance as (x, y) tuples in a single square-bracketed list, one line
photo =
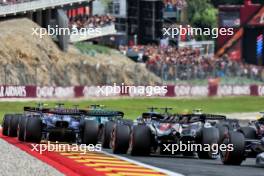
[(152, 130), (102, 122), (121, 132), (56, 124), (247, 141)]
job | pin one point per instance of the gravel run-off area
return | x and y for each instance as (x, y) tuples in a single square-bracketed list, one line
[(15, 162)]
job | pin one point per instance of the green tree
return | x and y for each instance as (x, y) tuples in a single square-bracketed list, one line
[(202, 14)]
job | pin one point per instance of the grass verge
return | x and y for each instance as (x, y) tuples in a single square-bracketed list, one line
[(133, 107)]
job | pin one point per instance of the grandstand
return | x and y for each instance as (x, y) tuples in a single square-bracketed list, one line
[(185, 60), (103, 23), (14, 7), (54, 13), (175, 9), (43, 12), (185, 64)]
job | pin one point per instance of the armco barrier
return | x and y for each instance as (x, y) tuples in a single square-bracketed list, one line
[(141, 91)]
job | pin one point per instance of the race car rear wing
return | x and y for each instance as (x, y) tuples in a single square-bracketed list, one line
[(152, 115), (213, 117), (35, 109), (104, 113), (201, 117), (74, 111), (55, 111), (205, 116)]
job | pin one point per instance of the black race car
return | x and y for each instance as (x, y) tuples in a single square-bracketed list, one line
[(247, 142), (152, 131)]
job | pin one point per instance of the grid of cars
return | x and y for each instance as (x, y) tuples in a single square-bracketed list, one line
[(151, 133)]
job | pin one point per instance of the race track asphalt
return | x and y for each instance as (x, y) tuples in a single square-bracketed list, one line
[(199, 167)]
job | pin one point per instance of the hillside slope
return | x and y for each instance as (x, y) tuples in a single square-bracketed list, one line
[(27, 59)]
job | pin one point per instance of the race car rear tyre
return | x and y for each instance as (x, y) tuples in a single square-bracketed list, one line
[(90, 132), (248, 132), (120, 139), (237, 155), (33, 129), (12, 129), (140, 141), (107, 130), (21, 128), (209, 136), (223, 131), (5, 125)]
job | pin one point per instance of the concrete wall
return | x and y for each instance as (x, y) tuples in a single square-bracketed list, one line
[(63, 22)]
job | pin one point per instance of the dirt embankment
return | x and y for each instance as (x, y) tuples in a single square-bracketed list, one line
[(26, 59)]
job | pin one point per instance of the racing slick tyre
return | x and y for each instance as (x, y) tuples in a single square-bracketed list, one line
[(248, 132), (237, 155), (140, 141), (90, 132), (223, 131), (12, 129), (33, 129), (6, 122), (208, 136), (107, 130), (120, 139), (21, 128)]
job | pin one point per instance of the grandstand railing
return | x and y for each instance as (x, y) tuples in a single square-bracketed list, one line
[(197, 73), (106, 30), (34, 5)]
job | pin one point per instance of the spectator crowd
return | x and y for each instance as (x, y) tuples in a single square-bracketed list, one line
[(187, 64), (87, 21), (172, 5)]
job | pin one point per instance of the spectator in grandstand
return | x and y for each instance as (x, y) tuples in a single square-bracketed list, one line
[(185, 63), (172, 5), (85, 21)]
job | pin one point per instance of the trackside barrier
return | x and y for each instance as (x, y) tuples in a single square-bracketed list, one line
[(140, 91)]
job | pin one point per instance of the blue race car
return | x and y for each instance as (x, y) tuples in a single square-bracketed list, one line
[(59, 124)]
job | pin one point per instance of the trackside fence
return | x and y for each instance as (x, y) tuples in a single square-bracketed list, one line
[(107, 91)]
